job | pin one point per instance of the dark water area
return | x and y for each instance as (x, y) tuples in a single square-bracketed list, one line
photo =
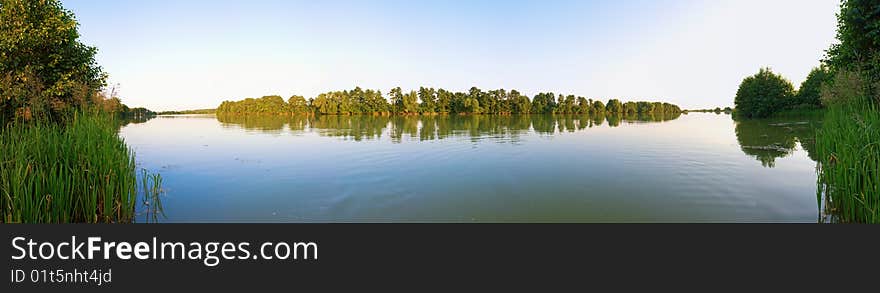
[(698, 167)]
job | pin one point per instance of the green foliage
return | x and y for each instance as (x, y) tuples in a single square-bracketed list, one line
[(430, 101), (858, 33), (410, 103), (630, 107), (519, 103), (543, 103), (269, 105), (444, 101), (809, 92), (566, 105), (849, 141), (598, 107), (77, 172), (763, 94), (45, 71), (404, 103), (136, 113), (614, 106), (849, 169), (297, 105), (846, 87), (726, 110), (671, 108), (428, 97)]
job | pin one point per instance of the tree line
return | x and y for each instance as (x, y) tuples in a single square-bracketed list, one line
[(427, 101)]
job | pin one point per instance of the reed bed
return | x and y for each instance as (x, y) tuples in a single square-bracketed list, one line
[(849, 169), (77, 172)]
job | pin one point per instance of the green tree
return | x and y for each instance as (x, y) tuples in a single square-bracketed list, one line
[(396, 95), (44, 68), (810, 91), (477, 102), (614, 106), (544, 103), (428, 96), (404, 103), (498, 102), (297, 105), (598, 107), (644, 107), (568, 104), (583, 105), (377, 103), (858, 30), (444, 101), (520, 104), (411, 103), (428, 100), (762, 94), (271, 105), (671, 108), (325, 104), (630, 108)]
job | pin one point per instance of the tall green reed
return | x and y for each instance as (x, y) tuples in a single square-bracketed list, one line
[(78, 171), (849, 168)]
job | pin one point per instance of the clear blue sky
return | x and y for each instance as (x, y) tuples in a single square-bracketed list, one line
[(194, 54)]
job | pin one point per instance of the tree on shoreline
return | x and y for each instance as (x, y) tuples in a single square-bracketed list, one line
[(762, 94), (45, 71), (809, 94)]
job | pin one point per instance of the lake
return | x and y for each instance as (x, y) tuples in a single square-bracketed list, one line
[(697, 167)]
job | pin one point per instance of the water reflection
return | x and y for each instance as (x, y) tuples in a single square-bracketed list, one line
[(433, 127), (490, 168), (769, 139), (764, 139), (134, 120)]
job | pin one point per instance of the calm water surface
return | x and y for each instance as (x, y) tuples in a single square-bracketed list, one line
[(538, 168)]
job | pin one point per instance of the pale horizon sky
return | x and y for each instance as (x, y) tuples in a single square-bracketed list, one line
[(175, 55)]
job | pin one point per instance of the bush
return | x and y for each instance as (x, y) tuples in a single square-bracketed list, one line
[(809, 92), (763, 94), (843, 88)]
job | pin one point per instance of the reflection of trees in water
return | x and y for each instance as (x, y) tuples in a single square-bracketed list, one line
[(769, 139), (427, 127), (404, 125), (544, 124), (350, 127), (135, 120), (597, 119), (614, 120), (649, 117), (263, 123)]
